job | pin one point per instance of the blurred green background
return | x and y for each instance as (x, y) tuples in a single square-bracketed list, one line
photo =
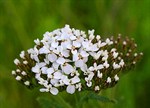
[(22, 21)]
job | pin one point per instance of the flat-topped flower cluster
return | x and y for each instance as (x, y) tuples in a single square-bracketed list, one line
[(69, 59)]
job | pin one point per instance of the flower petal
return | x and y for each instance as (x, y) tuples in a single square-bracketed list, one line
[(67, 69), (76, 44), (72, 37), (43, 69), (60, 60), (54, 91), (70, 89), (50, 70), (55, 65), (44, 50), (100, 66), (74, 51), (44, 90), (42, 64), (75, 57), (94, 47), (57, 75), (91, 68), (75, 79), (54, 44), (36, 69), (65, 80), (52, 57), (84, 68), (54, 81), (65, 53), (79, 63), (84, 54)]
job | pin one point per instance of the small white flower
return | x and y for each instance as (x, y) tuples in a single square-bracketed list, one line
[(113, 50), (44, 90), (78, 86), (127, 54), (96, 88), (134, 62), (70, 89), (101, 44), (105, 55), (141, 53), (116, 77), (23, 73), (91, 37), (108, 80), (37, 42), (115, 54), (94, 47), (89, 83), (105, 58), (43, 82), (25, 62), (124, 43), (88, 46), (96, 55), (105, 64), (90, 76), (81, 64), (13, 72), (121, 63), (18, 78), (91, 32), (135, 54), (99, 75), (27, 83), (109, 42), (16, 61), (22, 54), (98, 37), (96, 67), (116, 66), (65, 80), (18, 70)]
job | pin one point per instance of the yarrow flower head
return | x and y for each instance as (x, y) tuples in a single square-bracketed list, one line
[(69, 59)]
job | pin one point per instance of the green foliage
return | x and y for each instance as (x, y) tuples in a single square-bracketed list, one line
[(85, 97), (79, 99), (22, 21), (48, 103)]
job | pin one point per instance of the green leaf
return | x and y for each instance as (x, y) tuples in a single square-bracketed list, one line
[(100, 98), (93, 96), (48, 103)]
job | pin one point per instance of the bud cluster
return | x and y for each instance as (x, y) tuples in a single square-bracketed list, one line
[(69, 59)]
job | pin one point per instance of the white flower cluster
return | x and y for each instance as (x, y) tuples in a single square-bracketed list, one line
[(68, 58)]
